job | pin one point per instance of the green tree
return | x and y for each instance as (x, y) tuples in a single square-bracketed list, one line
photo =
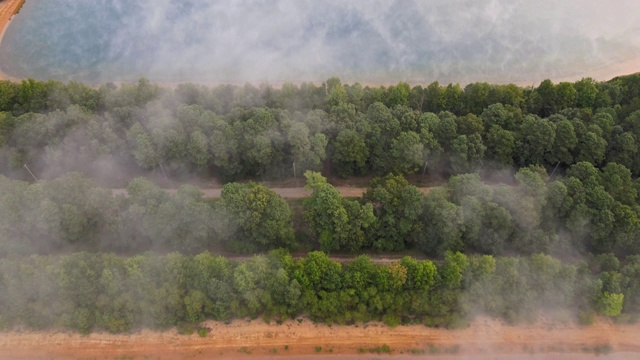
[(467, 153), (566, 94), (262, 218), (610, 304), (434, 98), (507, 117), (308, 151), (500, 145), (351, 154), (443, 224), (337, 223), (548, 98), (399, 94), (623, 149), (617, 181), (537, 137), (586, 93), (564, 144), (144, 149), (407, 153), (591, 148), (398, 209)]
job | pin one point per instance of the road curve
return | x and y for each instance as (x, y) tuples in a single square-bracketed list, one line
[(289, 193)]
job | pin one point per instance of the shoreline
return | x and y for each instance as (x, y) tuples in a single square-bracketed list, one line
[(485, 338), (604, 72)]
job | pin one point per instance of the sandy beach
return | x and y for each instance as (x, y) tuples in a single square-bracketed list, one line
[(484, 339), (7, 9)]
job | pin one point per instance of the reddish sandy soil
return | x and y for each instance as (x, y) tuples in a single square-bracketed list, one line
[(483, 339)]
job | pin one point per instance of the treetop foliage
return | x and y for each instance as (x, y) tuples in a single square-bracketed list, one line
[(85, 291), (238, 133)]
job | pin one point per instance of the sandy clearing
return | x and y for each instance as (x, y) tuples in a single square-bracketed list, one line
[(483, 339), (7, 9), (289, 193)]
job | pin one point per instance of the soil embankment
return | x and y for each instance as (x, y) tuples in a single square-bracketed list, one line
[(483, 339)]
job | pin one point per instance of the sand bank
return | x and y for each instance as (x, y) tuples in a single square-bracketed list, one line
[(483, 339)]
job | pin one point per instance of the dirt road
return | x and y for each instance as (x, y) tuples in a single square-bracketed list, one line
[(289, 193), (483, 339)]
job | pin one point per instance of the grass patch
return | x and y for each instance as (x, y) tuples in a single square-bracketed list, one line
[(626, 319), (383, 349), (453, 349), (587, 318), (602, 349), (244, 350), (186, 329), (203, 331), (433, 349), (318, 349), (286, 347)]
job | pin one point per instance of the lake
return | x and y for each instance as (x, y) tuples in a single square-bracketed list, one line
[(275, 41)]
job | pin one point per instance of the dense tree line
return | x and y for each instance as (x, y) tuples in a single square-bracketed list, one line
[(587, 211), (263, 132), (85, 291)]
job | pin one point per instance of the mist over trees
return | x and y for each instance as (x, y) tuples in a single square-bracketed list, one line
[(121, 260), (97, 291), (235, 133), (590, 211)]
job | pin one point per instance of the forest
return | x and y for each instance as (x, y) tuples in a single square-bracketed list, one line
[(237, 133), (534, 203)]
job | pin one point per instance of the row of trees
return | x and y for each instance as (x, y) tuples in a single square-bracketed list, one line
[(241, 133), (545, 99), (588, 211), (85, 291), (72, 214)]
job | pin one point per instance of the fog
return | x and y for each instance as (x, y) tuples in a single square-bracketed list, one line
[(286, 40)]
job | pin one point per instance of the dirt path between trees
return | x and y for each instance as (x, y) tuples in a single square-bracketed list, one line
[(483, 339), (289, 193)]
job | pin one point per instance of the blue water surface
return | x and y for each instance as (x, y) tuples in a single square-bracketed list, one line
[(298, 40)]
